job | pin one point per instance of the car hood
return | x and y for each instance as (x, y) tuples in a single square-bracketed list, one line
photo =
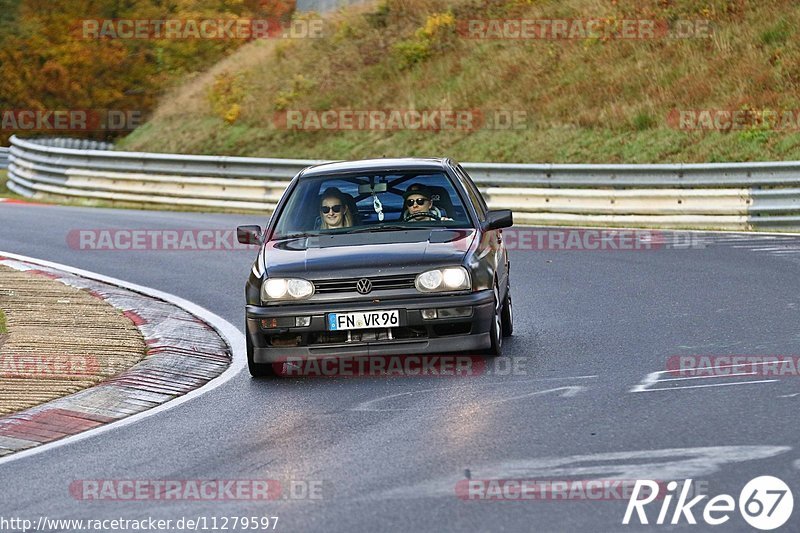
[(366, 254)]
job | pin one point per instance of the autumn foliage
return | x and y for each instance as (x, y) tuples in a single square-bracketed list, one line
[(47, 64)]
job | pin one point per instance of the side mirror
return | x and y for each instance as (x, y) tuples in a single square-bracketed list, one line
[(498, 219), (249, 234)]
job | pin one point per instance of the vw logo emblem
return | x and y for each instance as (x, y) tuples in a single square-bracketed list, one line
[(364, 286)]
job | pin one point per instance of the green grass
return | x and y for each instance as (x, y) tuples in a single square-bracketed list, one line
[(587, 101), (3, 327), (643, 144)]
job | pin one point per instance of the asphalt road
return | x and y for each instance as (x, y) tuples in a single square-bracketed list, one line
[(591, 329)]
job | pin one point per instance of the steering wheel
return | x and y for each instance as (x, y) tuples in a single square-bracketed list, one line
[(424, 214)]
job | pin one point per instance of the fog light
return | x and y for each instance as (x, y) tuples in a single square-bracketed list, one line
[(429, 314), (269, 323), (302, 321), (455, 312)]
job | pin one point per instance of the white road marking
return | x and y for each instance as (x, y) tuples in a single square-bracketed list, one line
[(568, 392), (790, 395), (653, 378), (663, 464), (760, 248), (227, 331), (649, 379), (708, 377), (712, 385), (566, 378)]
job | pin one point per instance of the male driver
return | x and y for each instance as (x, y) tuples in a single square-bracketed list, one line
[(418, 204)]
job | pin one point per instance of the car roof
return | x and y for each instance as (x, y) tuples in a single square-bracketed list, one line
[(376, 165)]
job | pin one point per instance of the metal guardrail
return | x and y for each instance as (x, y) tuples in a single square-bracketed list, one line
[(75, 144), (3, 157), (737, 196)]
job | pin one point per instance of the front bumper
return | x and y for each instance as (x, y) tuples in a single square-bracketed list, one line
[(414, 335)]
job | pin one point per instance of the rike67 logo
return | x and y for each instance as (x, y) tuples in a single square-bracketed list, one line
[(765, 503)]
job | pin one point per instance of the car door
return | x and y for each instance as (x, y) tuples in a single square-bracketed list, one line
[(491, 242)]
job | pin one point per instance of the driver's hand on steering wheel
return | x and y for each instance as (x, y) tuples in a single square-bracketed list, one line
[(413, 217)]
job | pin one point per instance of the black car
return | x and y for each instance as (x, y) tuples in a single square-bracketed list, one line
[(385, 256)]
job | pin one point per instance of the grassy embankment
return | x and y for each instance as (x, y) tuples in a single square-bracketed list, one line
[(587, 100)]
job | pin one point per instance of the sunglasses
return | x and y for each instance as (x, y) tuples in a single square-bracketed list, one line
[(419, 201), (327, 209)]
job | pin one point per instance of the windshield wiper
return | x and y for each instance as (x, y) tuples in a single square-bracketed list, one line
[(371, 229), (297, 236)]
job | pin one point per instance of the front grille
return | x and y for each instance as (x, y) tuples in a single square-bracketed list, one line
[(382, 283), (362, 336)]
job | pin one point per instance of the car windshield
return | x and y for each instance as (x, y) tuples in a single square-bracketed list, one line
[(355, 203)]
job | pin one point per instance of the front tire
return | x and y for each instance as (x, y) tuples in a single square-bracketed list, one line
[(508, 314), (496, 330), (257, 370)]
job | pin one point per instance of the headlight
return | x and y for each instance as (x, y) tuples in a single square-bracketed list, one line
[(286, 289), (444, 279)]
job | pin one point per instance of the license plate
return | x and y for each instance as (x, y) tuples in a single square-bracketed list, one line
[(363, 320)]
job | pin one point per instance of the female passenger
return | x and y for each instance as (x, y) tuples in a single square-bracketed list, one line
[(334, 209)]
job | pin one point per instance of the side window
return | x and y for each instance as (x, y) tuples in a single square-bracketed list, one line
[(474, 193)]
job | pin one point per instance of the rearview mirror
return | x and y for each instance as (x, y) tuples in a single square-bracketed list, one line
[(497, 219), (367, 189), (249, 234)]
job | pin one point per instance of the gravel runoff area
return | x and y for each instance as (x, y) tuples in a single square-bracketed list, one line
[(58, 340), (109, 351)]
